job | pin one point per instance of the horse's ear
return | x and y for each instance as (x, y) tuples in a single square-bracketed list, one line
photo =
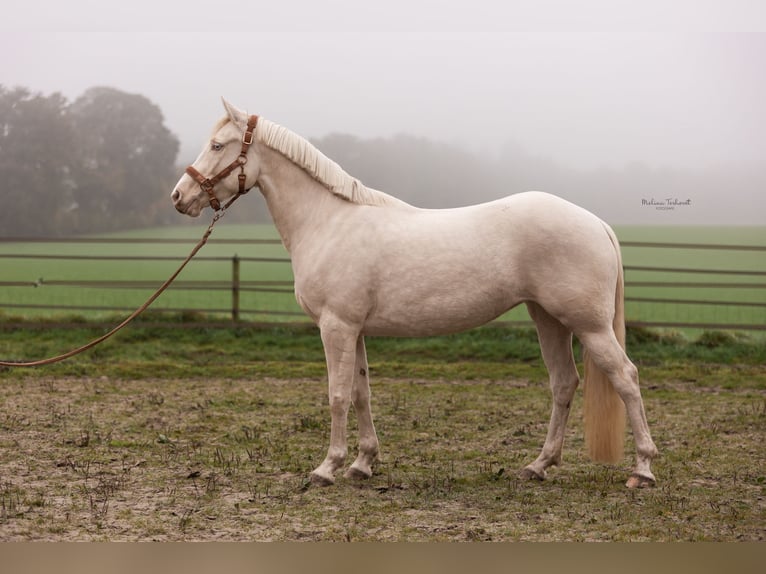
[(236, 115)]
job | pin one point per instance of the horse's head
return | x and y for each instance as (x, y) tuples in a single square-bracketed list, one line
[(227, 166)]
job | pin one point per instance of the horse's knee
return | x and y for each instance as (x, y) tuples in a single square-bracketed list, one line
[(339, 404)]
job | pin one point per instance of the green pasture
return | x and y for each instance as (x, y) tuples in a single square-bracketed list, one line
[(201, 269), (704, 259), (43, 271)]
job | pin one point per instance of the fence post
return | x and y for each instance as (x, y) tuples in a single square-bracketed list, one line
[(235, 288)]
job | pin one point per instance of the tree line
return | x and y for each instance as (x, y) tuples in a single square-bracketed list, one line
[(104, 161)]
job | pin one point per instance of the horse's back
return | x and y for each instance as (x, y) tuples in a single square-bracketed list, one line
[(534, 246)]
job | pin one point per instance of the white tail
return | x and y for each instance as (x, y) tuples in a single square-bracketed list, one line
[(604, 411)]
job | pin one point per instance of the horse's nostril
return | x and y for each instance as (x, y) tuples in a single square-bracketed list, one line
[(175, 196)]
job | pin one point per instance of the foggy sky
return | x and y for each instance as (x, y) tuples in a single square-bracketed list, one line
[(587, 84)]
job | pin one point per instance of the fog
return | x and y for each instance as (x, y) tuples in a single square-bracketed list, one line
[(590, 88)]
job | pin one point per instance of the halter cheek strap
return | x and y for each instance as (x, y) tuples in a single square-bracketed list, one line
[(207, 184)]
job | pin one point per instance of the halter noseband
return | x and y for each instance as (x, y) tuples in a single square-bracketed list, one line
[(208, 183)]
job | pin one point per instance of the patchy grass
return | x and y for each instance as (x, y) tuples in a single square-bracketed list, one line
[(187, 432), (228, 459)]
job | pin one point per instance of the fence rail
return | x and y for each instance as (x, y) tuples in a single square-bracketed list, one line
[(707, 246), (237, 286), (223, 241)]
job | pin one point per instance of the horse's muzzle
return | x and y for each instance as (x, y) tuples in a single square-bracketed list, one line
[(187, 208)]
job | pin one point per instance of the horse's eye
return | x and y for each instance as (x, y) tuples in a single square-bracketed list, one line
[(215, 146)]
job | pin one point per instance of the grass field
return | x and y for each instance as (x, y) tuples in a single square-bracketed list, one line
[(196, 433), (198, 270), (32, 270), (695, 259)]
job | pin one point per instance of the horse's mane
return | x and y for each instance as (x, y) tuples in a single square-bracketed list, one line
[(301, 152)]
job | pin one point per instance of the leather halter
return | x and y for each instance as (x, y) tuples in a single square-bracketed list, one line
[(208, 183)]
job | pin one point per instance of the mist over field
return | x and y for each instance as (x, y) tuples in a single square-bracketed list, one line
[(647, 113)]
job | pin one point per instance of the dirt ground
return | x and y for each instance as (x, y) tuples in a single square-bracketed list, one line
[(91, 459)]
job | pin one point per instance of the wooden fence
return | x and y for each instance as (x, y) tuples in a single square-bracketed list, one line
[(753, 306)]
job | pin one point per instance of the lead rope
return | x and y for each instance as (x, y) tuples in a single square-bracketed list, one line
[(218, 215)]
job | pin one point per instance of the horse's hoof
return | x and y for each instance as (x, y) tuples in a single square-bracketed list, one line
[(319, 480), (640, 481), (528, 473), (357, 474)]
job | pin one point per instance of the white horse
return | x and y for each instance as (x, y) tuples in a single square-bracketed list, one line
[(366, 263)]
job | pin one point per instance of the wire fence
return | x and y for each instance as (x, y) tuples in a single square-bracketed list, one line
[(726, 295)]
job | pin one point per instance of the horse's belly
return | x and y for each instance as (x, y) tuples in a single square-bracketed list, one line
[(435, 313)]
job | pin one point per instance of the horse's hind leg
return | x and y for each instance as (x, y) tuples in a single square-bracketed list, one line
[(610, 357), (556, 346), (368, 439)]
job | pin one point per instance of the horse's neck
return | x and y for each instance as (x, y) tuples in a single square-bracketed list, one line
[(298, 204)]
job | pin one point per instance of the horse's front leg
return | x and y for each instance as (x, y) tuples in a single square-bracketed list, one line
[(368, 439), (340, 343)]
